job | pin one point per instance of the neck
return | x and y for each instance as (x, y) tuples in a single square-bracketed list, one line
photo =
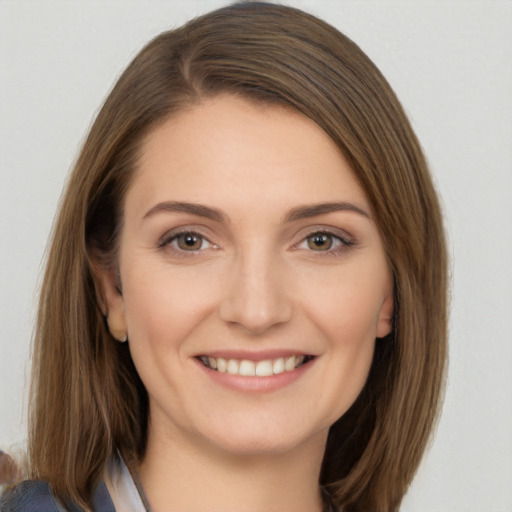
[(186, 477)]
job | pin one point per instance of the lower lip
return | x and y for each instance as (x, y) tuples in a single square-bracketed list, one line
[(256, 384)]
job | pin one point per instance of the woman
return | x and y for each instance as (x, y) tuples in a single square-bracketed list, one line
[(244, 306)]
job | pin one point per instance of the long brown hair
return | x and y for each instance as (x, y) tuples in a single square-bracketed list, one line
[(87, 399)]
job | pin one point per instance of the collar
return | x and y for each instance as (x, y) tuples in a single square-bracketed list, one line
[(124, 492)]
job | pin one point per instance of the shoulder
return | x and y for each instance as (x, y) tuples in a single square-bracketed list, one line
[(29, 496), (35, 496)]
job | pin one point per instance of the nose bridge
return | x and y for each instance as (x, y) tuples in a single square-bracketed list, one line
[(257, 298)]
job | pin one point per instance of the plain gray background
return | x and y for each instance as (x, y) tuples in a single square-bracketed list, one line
[(450, 64)]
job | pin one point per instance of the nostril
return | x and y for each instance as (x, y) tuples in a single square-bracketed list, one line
[(255, 316)]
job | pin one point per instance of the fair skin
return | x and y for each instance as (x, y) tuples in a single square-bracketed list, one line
[(246, 237)]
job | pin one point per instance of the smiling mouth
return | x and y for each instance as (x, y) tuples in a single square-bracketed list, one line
[(247, 368)]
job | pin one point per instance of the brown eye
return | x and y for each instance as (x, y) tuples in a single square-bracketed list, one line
[(320, 241), (189, 242)]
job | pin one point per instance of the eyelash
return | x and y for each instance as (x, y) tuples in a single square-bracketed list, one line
[(169, 238), (344, 242)]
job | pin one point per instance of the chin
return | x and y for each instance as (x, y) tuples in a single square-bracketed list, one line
[(267, 442)]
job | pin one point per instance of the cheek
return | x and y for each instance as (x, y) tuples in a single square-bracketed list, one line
[(347, 307), (162, 306), (345, 310), (163, 309)]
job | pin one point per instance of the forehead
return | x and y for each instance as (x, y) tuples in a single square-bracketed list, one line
[(227, 147)]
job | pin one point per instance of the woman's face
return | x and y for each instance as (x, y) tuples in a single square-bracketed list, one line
[(254, 281)]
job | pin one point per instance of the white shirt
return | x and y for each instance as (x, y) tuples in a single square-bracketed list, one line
[(122, 488)]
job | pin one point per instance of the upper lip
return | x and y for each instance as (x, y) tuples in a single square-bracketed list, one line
[(253, 355)]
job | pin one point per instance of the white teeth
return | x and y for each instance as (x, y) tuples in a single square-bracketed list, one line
[(278, 366), (289, 364), (247, 368), (221, 365), (264, 368), (233, 366)]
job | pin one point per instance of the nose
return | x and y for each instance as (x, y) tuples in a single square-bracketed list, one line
[(257, 297)]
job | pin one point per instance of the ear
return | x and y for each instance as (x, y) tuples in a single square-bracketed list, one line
[(385, 320), (111, 302)]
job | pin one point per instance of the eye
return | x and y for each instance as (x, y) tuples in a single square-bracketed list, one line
[(323, 241), (188, 242)]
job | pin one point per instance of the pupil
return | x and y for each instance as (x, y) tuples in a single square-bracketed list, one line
[(321, 241), (189, 242)]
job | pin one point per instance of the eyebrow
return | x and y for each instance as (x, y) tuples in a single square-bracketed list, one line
[(308, 211), (298, 213), (192, 208)]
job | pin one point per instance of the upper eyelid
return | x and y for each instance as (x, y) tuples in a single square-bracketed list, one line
[(340, 233)]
